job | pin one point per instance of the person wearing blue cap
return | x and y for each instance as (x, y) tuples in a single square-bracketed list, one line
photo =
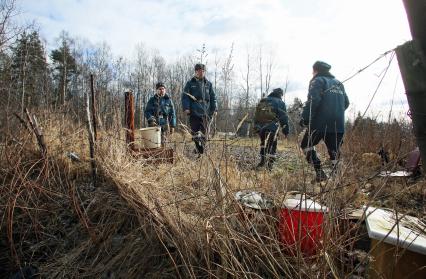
[(160, 111), (199, 103), (324, 117), (270, 114)]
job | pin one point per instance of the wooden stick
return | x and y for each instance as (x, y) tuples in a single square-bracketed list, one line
[(94, 120), (38, 133), (130, 120), (91, 139), (22, 121)]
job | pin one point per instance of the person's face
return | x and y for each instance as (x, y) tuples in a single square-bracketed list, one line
[(200, 73), (161, 91), (314, 72)]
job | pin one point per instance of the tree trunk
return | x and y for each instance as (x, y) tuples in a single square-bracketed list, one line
[(412, 64)]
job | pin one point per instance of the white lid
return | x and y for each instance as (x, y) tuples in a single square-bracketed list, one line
[(407, 234), (306, 205)]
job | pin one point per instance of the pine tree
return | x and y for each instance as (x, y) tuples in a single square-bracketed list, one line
[(29, 70), (65, 67)]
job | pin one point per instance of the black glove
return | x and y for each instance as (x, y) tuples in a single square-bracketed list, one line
[(152, 122), (303, 123)]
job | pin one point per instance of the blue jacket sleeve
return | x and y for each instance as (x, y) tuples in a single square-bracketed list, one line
[(314, 99), (283, 117), (172, 115), (149, 109), (213, 101), (186, 100), (346, 98)]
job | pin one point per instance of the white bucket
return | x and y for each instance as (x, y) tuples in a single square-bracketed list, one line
[(151, 137)]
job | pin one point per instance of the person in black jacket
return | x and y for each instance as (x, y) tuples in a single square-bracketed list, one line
[(324, 117), (199, 103), (270, 114), (160, 111)]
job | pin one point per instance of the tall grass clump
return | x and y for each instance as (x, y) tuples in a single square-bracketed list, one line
[(176, 220)]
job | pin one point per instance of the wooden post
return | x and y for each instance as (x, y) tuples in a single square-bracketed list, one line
[(130, 119), (412, 64), (38, 133), (91, 139), (94, 120)]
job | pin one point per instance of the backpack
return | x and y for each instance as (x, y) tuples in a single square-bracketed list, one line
[(264, 112)]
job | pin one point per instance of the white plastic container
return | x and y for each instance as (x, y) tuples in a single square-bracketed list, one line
[(381, 225), (398, 249), (151, 137)]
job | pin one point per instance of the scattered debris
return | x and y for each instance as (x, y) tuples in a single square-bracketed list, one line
[(254, 199), (395, 174), (73, 156)]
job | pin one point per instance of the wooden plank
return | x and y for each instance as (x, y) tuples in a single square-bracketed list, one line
[(91, 139), (93, 107), (390, 261)]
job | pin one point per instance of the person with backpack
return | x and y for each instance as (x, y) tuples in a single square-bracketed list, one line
[(270, 114), (160, 111), (199, 103), (324, 117)]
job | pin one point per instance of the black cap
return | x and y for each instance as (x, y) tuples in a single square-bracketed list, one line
[(199, 66), (278, 91), (159, 84), (321, 67)]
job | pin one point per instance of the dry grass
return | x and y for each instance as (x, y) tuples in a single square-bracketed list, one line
[(172, 220)]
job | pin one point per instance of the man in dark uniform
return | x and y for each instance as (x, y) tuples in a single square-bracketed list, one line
[(199, 102), (270, 114), (160, 111), (324, 117)]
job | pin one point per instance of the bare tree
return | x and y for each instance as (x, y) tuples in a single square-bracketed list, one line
[(227, 69), (265, 80), (269, 69), (246, 79), (8, 30), (227, 72), (203, 54), (262, 94)]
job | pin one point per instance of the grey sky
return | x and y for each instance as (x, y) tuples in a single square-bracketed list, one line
[(348, 34)]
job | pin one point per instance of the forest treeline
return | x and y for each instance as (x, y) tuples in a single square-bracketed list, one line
[(56, 79)]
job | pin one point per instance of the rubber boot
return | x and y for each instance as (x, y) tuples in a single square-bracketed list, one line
[(270, 163), (320, 175), (262, 159), (334, 168)]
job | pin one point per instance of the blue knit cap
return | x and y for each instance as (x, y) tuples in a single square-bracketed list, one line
[(321, 67)]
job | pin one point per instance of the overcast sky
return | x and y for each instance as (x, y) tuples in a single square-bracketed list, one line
[(348, 34)]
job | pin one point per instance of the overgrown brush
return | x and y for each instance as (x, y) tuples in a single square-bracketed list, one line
[(170, 220)]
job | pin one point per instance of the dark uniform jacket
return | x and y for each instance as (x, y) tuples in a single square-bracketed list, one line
[(198, 97), (161, 109), (326, 105), (280, 110)]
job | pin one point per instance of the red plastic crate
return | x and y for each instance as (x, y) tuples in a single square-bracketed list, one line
[(301, 227)]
